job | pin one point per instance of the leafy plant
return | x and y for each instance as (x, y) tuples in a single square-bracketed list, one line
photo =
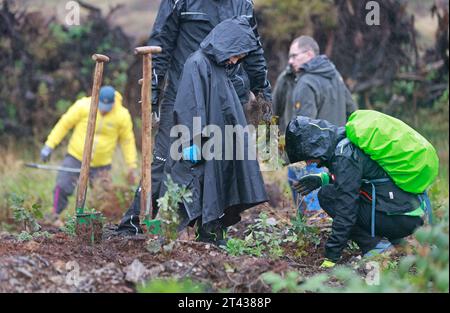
[(169, 205), (24, 236), (289, 283), (70, 226), (238, 247), (264, 238), (303, 234), (26, 216)]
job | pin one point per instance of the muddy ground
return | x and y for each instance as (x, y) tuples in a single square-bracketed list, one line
[(65, 264)]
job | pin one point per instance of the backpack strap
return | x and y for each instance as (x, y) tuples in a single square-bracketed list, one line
[(423, 198), (373, 182)]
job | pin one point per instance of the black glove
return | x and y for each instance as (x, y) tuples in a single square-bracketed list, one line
[(157, 83), (155, 100), (309, 183)]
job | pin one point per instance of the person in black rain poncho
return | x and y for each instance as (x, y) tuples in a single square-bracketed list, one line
[(179, 29), (222, 186)]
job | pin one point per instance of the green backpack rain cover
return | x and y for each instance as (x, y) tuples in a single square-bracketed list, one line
[(408, 158)]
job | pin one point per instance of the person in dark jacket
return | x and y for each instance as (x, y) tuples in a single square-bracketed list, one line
[(344, 193), (222, 186), (282, 96), (319, 93), (180, 27)]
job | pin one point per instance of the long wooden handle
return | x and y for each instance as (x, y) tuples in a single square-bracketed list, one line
[(147, 50), (100, 58), (146, 95), (87, 153), (146, 134)]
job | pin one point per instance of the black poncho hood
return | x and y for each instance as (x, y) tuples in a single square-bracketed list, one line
[(230, 38), (308, 139)]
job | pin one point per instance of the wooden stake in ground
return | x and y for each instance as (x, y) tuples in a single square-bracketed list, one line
[(146, 95), (87, 153)]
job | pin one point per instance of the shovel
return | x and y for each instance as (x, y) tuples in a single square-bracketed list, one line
[(89, 220), (153, 226)]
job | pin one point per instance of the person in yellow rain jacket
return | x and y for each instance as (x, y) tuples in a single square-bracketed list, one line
[(113, 126)]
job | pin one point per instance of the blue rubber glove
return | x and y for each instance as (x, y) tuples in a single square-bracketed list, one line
[(46, 152), (192, 154)]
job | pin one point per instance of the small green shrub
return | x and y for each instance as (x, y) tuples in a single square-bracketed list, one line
[(169, 205), (70, 226), (26, 216), (265, 238)]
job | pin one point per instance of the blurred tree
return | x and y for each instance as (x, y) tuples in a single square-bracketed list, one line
[(46, 65), (373, 59), (281, 21), (366, 55)]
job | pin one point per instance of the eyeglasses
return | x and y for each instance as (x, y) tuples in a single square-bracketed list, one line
[(294, 55)]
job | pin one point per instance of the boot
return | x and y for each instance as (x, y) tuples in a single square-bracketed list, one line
[(129, 226), (212, 232)]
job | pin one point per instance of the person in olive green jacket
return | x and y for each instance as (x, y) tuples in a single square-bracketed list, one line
[(113, 126)]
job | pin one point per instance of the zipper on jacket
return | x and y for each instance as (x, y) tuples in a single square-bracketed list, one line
[(193, 13), (242, 80)]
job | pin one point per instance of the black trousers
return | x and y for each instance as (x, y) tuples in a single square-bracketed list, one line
[(160, 154), (392, 227)]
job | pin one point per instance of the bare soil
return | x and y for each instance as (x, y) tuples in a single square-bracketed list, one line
[(67, 264)]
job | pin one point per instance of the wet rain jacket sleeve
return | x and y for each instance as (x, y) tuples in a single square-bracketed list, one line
[(344, 193), (65, 124), (255, 64), (127, 142), (164, 34), (304, 100)]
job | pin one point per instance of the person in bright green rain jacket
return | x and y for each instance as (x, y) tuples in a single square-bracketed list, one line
[(113, 126)]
